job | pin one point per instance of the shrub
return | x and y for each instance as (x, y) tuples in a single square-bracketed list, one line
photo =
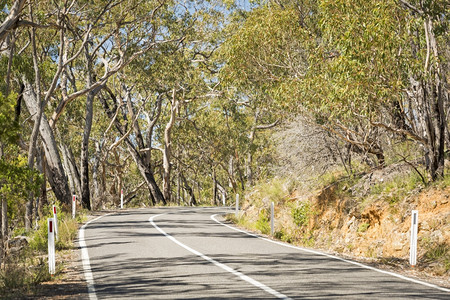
[(301, 213)]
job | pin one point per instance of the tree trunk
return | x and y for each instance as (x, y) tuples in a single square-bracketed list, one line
[(71, 168), (167, 147), (144, 168), (55, 172), (4, 223), (215, 200), (84, 164), (95, 170), (43, 195), (189, 189), (85, 193)]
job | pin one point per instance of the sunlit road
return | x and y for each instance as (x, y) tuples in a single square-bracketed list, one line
[(179, 253)]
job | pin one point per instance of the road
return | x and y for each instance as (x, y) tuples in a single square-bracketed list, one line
[(179, 253)]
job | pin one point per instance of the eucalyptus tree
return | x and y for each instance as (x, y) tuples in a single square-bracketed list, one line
[(385, 69), (73, 49), (363, 70), (162, 89)]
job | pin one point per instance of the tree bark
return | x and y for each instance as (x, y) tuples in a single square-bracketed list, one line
[(95, 170), (189, 189), (85, 193), (71, 169), (4, 222), (167, 147), (215, 199), (144, 168), (55, 172), (12, 19)]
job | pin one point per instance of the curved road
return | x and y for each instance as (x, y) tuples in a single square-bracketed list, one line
[(179, 253)]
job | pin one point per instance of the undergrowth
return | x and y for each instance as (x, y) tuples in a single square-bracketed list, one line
[(301, 213), (23, 270), (439, 253)]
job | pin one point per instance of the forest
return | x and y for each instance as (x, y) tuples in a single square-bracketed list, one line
[(183, 102)]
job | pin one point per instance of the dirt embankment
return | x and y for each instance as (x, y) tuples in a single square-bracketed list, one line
[(375, 231), (382, 230)]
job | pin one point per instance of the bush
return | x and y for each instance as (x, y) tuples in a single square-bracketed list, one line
[(27, 268), (397, 189), (301, 213)]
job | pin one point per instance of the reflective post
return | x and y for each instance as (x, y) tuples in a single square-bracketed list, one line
[(51, 246)]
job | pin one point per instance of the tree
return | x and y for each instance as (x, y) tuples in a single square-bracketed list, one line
[(352, 67)]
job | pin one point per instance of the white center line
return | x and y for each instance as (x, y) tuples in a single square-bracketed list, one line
[(220, 265)]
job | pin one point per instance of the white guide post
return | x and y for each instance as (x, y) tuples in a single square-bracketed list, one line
[(413, 240), (271, 218), (74, 206), (223, 199), (237, 205), (121, 198), (51, 245), (55, 220)]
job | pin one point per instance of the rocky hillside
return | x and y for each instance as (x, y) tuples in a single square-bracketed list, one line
[(367, 217)]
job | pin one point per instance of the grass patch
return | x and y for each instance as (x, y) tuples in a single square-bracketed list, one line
[(438, 254), (262, 224), (23, 270), (397, 189), (273, 190), (363, 227)]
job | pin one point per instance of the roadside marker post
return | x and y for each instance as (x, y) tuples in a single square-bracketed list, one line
[(271, 218), (237, 205), (413, 240), (121, 198), (51, 245), (74, 206), (55, 218), (223, 199)]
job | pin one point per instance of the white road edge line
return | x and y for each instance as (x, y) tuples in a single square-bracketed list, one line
[(85, 259), (220, 265), (213, 217)]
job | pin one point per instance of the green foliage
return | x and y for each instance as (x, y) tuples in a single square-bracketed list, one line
[(363, 227), (283, 236), (67, 231), (16, 178), (301, 213), (9, 127), (274, 190), (262, 224), (308, 239)]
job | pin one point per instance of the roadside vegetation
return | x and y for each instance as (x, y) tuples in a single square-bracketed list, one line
[(337, 111), (26, 265), (362, 217)]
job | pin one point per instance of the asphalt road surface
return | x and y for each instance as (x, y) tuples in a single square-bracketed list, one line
[(179, 253)]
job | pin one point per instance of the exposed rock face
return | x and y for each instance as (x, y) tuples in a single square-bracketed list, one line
[(376, 230)]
